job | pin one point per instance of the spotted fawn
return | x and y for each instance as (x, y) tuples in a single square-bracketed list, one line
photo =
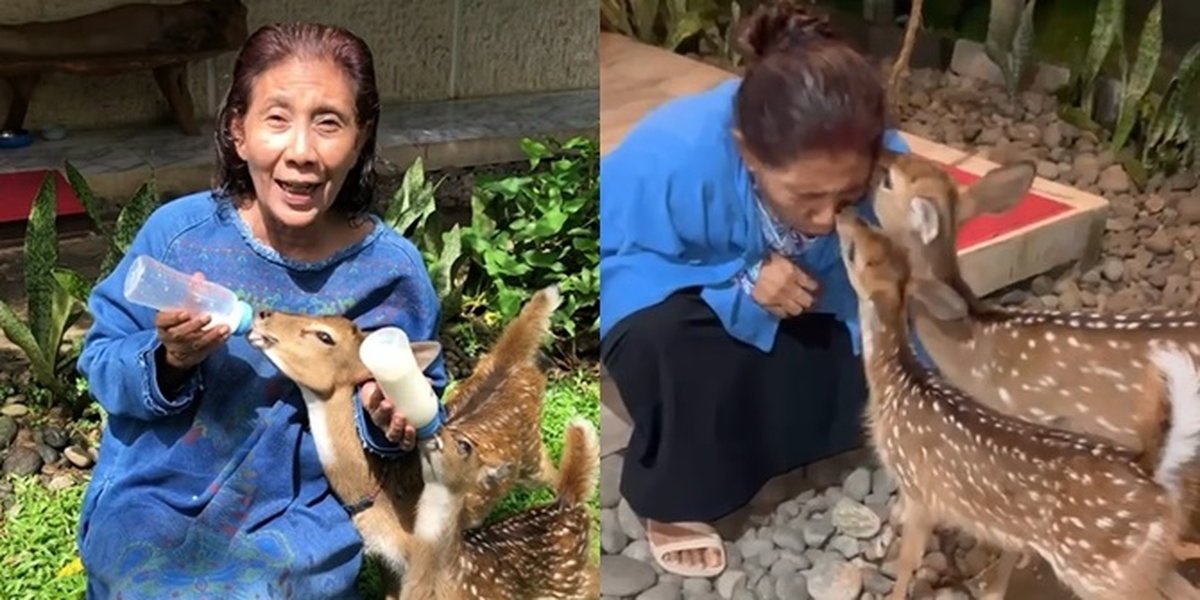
[(1103, 523), (1083, 372), (540, 553), (502, 398)]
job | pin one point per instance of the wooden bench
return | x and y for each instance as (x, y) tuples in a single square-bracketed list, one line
[(161, 39), (1055, 225), (170, 72)]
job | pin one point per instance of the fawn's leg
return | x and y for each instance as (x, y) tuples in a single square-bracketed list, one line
[(993, 582), (1174, 587), (391, 584), (1185, 551), (548, 474), (916, 527)]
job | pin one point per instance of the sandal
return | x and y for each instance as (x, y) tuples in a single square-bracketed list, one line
[(703, 538)]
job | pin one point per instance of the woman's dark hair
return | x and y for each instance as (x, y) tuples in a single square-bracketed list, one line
[(273, 44), (805, 89)]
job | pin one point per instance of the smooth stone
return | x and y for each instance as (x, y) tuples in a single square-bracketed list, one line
[(14, 410), (835, 580), (22, 461), (78, 457), (727, 581), (789, 539), (663, 590), (8, 431), (638, 550), (855, 519), (612, 539), (610, 481), (623, 576), (857, 484), (630, 523), (792, 588), (697, 585), (818, 531)]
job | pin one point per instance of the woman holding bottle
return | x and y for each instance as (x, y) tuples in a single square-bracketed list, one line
[(208, 481)]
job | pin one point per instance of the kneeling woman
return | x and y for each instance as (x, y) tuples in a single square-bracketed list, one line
[(727, 320)]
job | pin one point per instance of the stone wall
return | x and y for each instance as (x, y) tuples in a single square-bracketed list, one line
[(424, 50)]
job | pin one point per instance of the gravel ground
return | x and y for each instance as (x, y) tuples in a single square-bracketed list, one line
[(836, 543)]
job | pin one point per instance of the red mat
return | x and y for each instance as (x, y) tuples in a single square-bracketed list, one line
[(17, 191), (1032, 209)]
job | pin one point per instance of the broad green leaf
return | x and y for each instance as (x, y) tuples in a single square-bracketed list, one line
[(1188, 77), (1002, 23), (481, 223), (1109, 21), (20, 334), (87, 198), (413, 201), (129, 222), (536, 151), (541, 259), (1135, 169), (41, 256), (585, 244), (683, 28), (613, 14), (550, 224), (76, 285), (645, 15), (1077, 117), (509, 302), (1022, 48), (1146, 63)]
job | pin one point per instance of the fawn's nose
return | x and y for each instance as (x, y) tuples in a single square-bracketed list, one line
[(262, 314)]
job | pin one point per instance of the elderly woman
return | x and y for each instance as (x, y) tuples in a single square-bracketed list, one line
[(208, 482), (728, 323)]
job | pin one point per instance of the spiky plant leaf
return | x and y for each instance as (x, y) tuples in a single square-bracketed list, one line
[(1146, 63), (1110, 18), (41, 256)]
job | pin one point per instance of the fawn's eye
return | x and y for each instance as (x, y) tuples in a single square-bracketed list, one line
[(465, 448), (325, 338)]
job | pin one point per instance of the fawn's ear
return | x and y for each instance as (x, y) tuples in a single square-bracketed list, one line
[(939, 299), (998, 191), (923, 219), (425, 352)]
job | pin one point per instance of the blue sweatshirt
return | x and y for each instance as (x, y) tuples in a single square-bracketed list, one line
[(217, 491), (678, 209)]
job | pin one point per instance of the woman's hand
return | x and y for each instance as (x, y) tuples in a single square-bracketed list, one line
[(385, 416), (783, 288), (184, 339)]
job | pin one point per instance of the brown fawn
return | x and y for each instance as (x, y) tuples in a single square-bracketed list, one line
[(320, 354), (539, 553), (1105, 525), (1083, 372)]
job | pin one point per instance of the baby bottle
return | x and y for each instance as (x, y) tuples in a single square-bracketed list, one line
[(153, 284), (386, 353)]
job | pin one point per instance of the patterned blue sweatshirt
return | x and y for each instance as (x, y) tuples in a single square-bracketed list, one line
[(216, 491)]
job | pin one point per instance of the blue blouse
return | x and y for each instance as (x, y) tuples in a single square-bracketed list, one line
[(678, 209)]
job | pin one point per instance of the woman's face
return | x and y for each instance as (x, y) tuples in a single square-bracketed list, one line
[(808, 193), (299, 138)]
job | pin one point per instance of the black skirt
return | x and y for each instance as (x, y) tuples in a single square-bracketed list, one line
[(715, 418)]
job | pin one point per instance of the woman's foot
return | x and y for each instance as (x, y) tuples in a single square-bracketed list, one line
[(686, 549)]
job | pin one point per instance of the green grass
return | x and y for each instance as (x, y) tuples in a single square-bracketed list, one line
[(37, 541)]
